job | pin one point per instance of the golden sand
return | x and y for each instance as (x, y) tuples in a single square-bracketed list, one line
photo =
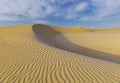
[(102, 41), (37, 57)]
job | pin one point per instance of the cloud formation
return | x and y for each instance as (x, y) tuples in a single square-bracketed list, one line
[(31, 11)]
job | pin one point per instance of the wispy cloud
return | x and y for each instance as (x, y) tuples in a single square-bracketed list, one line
[(31, 11), (74, 11), (106, 7)]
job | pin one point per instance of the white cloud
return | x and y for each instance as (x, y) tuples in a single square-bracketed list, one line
[(75, 10), (41, 10), (28, 8), (81, 7), (106, 7)]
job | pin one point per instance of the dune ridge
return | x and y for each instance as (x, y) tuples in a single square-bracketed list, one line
[(54, 36), (25, 59)]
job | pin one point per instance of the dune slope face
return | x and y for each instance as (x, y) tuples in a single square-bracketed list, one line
[(81, 41), (26, 59)]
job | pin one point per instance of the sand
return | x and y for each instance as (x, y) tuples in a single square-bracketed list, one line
[(102, 41), (33, 55)]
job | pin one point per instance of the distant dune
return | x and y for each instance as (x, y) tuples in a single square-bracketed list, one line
[(49, 54)]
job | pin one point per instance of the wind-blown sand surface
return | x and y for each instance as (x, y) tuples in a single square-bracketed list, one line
[(37, 56), (102, 41)]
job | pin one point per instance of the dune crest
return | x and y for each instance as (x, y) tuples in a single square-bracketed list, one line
[(56, 36), (24, 59)]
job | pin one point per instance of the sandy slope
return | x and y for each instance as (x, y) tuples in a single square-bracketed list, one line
[(106, 45), (25, 59), (102, 41)]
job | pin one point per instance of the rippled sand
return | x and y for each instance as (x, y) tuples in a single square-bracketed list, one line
[(34, 55)]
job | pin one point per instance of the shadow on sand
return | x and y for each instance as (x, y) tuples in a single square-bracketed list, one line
[(46, 34)]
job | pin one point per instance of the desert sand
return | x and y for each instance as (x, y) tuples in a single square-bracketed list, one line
[(48, 54)]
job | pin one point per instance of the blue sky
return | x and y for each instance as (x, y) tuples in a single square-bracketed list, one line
[(88, 13)]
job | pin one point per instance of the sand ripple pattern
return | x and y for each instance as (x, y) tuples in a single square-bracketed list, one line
[(25, 59)]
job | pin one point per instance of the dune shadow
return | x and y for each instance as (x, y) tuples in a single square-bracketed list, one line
[(46, 34)]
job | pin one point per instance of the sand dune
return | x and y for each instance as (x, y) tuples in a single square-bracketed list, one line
[(111, 30), (81, 41), (36, 57)]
